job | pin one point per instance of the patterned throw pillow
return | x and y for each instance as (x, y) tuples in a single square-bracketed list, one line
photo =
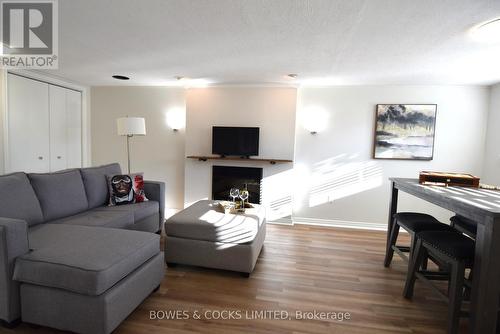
[(126, 189)]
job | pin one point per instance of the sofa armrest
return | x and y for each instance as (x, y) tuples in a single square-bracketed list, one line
[(13, 243), (155, 190)]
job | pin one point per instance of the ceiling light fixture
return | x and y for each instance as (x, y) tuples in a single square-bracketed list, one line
[(292, 75), (120, 77), (488, 32)]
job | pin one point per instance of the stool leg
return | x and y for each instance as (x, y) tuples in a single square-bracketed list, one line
[(412, 250), (467, 292), (389, 252), (455, 296), (418, 256)]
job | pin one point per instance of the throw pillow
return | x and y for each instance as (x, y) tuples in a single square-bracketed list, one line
[(140, 194), (126, 189)]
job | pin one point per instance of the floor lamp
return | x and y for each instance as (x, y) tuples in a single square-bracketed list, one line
[(130, 126)]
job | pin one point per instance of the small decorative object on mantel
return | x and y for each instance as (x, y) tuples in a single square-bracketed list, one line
[(448, 179), (404, 131)]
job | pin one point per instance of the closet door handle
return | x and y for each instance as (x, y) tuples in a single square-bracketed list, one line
[(40, 158), (58, 157)]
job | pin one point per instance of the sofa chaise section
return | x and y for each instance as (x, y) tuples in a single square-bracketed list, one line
[(86, 270), (84, 259)]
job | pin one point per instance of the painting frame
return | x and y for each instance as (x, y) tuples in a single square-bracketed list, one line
[(376, 139)]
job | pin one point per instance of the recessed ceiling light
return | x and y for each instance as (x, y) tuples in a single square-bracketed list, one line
[(488, 31), (292, 75), (179, 77), (120, 77)]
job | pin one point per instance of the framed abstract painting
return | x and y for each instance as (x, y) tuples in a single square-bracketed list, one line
[(404, 131)]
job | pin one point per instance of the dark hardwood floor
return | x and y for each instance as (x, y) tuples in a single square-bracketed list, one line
[(301, 268)]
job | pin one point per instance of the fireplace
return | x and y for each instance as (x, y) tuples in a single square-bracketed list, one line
[(225, 178)]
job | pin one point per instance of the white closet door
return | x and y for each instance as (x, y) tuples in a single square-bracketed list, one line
[(58, 128), (74, 128), (65, 128), (28, 125)]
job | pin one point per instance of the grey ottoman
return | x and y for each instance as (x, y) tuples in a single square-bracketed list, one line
[(88, 281), (203, 235)]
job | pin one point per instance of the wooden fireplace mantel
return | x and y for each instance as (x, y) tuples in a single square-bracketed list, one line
[(205, 158)]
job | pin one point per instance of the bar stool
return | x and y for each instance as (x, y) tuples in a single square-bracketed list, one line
[(464, 225), (456, 251), (413, 223)]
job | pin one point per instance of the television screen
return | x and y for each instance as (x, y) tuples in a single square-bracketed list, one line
[(240, 141)]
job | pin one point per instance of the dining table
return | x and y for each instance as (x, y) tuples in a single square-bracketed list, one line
[(482, 206)]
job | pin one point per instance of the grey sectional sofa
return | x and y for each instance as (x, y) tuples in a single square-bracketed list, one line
[(69, 261)]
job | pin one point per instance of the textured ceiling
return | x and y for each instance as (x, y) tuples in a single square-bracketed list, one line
[(259, 41)]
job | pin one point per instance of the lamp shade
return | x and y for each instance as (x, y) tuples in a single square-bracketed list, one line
[(131, 126)]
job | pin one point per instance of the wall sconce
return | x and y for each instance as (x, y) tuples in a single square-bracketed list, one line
[(176, 119), (314, 119)]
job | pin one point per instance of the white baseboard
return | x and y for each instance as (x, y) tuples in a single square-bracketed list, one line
[(340, 223)]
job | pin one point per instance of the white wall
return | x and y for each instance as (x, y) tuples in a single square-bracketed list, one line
[(271, 109), (159, 154), (492, 154), (340, 182)]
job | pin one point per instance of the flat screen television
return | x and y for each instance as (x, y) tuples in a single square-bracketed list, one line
[(236, 141)]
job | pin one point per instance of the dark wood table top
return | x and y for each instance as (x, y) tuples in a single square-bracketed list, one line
[(473, 203)]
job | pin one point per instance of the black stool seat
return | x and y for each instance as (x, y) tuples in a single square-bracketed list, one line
[(452, 244), (464, 225), (416, 222)]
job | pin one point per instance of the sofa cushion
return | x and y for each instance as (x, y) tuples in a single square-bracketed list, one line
[(18, 199), (95, 182), (204, 220), (112, 219), (61, 194), (85, 260), (139, 210)]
